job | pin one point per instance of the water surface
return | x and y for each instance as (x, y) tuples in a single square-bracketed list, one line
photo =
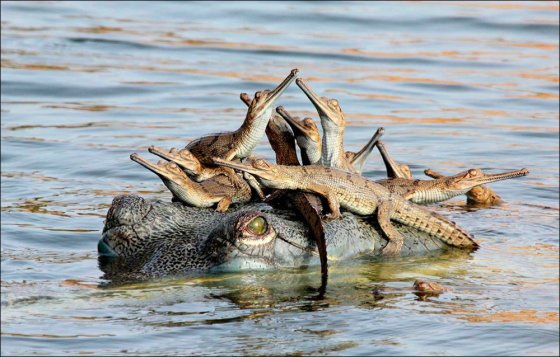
[(456, 85)]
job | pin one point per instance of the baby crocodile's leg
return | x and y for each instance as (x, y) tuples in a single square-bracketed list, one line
[(334, 206), (255, 185), (395, 239), (223, 204), (229, 172)]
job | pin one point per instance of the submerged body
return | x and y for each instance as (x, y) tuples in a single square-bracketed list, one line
[(144, 238)]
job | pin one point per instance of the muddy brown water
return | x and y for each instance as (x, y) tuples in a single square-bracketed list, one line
[(456, 85)]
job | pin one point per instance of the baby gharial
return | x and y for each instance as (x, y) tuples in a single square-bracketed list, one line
[(446, 187), (219, 190)]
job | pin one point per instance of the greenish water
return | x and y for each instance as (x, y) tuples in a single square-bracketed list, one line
[(456, 85)]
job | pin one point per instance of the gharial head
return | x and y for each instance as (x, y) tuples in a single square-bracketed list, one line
[(165, 169), (263, 101), (466, 180), (246, 230), (172, 176), (329, 109), (184, 158), (306, 132), (144, 238)]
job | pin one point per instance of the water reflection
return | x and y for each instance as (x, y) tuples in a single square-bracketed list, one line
[(456, 85)]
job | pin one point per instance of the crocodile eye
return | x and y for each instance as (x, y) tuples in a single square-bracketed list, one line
[(258, 226), (334, 103), (254, 230), (473, 172)]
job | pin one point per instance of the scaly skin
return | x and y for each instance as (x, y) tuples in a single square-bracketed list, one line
[(282, 141), (358, 159), (220, 189), (144, 239), (479, 195), (240, 143), (444, 188), (333, 123), (307, 137), (358, 195)]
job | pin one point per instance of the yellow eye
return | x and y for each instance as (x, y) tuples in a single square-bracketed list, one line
[(258, 226), (473, 172)]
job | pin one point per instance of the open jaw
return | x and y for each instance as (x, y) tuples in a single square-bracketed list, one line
[(273, 95)]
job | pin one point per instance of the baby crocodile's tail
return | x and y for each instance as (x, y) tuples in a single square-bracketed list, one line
[(432, 223)]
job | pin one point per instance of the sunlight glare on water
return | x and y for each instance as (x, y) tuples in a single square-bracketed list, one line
[(455, 85)]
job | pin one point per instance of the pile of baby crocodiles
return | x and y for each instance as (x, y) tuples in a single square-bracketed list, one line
[(217, 170)]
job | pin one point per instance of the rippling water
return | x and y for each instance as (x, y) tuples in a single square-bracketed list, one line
[(456, 85)]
